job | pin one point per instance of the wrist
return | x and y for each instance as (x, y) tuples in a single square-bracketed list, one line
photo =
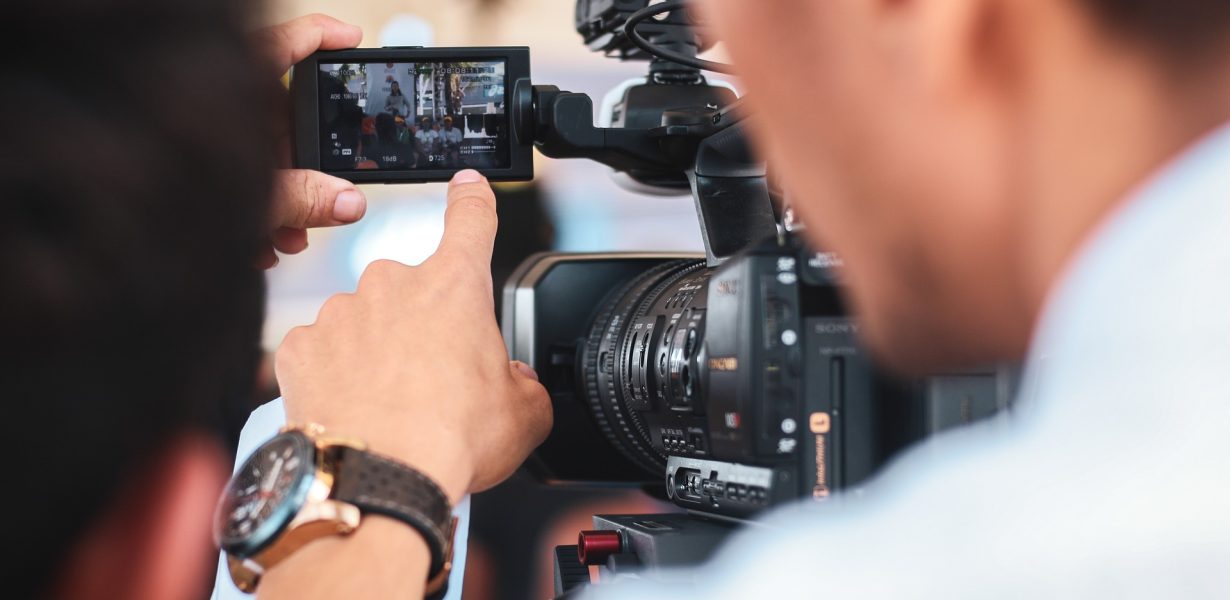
[(390, 556), (436, 454), (449, 467), (309, 484)]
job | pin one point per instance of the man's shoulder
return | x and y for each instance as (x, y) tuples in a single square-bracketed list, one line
[(1134, 342), (1156, 273)]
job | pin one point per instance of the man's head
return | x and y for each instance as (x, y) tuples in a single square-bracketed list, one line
[(136, 207), (386, 128), (956, 153)]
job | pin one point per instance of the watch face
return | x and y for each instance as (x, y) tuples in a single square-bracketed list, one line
[(265, 494)]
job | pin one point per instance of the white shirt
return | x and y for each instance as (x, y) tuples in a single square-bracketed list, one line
[(1112, 480), (426, 136), (452, 136)]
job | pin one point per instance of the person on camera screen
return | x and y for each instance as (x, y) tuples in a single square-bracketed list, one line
[(1046, 181), (451, 137), (388, 151), (425, 138), (396, 104)]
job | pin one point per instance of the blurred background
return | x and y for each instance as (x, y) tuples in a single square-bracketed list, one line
[(571, 206)]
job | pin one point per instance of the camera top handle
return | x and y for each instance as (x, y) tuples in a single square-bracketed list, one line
[(703, 148), (675, 131)]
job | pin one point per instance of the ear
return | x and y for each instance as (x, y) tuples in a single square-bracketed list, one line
[(155, 540), (949, 47)]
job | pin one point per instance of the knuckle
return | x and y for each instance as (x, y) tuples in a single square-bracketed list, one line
[(270, 38), (537, 414), (295, 337), (379, 272), (383, 267), (482, 190), (292, 345), (295, 198), (334, 306), (545, 412), (473, 203), (319, 20), (311, 193)]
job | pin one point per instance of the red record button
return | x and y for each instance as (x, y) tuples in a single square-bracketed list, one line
[(593, 547)]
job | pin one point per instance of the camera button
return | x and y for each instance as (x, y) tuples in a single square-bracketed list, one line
[(789, 337)]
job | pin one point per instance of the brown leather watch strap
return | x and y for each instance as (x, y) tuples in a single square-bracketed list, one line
[(383, 486)]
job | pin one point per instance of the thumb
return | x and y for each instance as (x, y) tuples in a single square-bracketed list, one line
[(536, 408), (524, 370), (303, 199)]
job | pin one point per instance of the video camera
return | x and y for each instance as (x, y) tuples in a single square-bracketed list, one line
[(728, 383)]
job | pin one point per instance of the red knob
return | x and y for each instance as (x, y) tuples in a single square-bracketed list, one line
[(593, 547)]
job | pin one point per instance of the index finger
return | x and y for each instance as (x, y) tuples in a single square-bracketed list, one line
[(295, 40), (469, 221)]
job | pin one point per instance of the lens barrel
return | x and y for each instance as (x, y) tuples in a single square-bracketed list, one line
[(627, 365)]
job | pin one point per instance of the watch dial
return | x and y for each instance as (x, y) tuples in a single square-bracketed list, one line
[(265, 493)]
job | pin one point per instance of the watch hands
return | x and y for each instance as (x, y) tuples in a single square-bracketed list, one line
[(266, 485)]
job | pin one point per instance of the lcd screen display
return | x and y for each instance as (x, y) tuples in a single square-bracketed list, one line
[(403, 116)]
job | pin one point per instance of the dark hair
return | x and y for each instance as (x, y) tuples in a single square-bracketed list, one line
[(1176, 27), (135, 203), (386, 128)]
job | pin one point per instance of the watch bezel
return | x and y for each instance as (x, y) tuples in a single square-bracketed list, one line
[(279, 520)]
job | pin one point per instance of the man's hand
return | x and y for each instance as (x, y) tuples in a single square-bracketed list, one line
[(304, 198), (413, 362)]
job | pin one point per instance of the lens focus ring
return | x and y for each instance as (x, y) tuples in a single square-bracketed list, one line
[(611, 354)]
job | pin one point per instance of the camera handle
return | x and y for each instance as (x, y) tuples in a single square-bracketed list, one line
[(731, 191), (704, 149)]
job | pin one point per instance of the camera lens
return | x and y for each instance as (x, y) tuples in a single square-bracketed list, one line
[(634, 362)]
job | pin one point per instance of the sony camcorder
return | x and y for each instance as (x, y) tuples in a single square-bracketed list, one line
[(732, 389), (729, 382)]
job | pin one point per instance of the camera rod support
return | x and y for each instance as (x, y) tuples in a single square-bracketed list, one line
[(703, 148)]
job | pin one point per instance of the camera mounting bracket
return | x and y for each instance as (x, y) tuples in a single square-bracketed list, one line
[(703, 148)]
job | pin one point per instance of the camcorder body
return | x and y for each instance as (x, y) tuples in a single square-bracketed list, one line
[(728, 390), (727, 383)]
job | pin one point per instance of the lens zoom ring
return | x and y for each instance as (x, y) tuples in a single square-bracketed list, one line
[(609, 319), (645, 304)]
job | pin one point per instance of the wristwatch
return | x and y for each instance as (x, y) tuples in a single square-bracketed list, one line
[(301, 486)]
